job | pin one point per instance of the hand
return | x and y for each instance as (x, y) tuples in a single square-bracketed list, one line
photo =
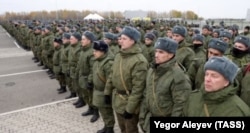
[(61, 74), (90, 86), (127, 115), (107, 99)]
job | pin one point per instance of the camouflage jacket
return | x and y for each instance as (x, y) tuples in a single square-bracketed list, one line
[(127, 78)]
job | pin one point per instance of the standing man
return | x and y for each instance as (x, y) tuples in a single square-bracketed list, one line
[(184, 53), (167, 86), (148, 48), (65, 63), (101, 70), (57, 66), (73, 58), (127, 80), (84, 68)]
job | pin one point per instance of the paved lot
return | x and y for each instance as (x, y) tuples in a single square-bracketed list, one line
[(29, 102), (22, 82)]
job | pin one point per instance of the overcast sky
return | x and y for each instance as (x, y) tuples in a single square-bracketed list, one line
[(204, 8)]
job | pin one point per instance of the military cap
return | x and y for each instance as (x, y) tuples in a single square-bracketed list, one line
[(58, 40), (217, 31), (150, 36), (196, 31), (226, 34), (206, 27), (77, 35), (166, 44), (48, 28), (109, 35), (224, 66), (131, 32), (198, 37), (218, 44), (100, 46), (66, 35), (243, 39), (89, 35), (181, 30)]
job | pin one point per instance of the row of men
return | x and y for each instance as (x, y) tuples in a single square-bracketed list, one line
[(166, 85)]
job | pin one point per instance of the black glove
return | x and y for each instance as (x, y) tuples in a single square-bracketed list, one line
[(107, 99), (60, 73), (127, 115), (90, 86)]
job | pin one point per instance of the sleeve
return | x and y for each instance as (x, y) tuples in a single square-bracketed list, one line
[(192, 73), (51, 48), (138, 85), (91, 62), (180, 92), (109, 85)]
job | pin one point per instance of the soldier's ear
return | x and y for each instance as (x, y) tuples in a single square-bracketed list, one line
[(226, 84)]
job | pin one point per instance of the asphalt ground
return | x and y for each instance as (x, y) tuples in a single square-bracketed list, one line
[(29, 102)]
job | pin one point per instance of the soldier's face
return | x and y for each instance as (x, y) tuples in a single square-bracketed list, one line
[(73, 40), (55, 44), (126, 42), (215, 35), (240, 46), (169, 34), (214, 81), (178, 38), (65, 40), (225, 39), (205, 31), (148, 41), (106, 40), (97, 54), (213, 52), (85, 41), (162, 56)]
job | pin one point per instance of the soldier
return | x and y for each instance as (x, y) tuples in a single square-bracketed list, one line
[(57, 66), (65, 63), (216, 47), (40, 48), (217, 97), (226, 36), (167, 86), (127, 78), (216, 33), (245, 83), (101, 70), (73, 57), (205, 33), (48, 50), (198, 48), (148, 48), (184, 53), (36, 43), (189, 35), (169, 33), (84, 68), (98, 32), (240, 56), (109, 39), (246, 31)]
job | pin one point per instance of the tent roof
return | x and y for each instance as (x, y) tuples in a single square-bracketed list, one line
[(94, 17)]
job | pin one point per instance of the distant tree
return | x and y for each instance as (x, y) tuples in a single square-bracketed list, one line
[(175, 14), (152, 14)]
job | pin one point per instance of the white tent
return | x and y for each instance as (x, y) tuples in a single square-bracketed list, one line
[(94, 17)]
